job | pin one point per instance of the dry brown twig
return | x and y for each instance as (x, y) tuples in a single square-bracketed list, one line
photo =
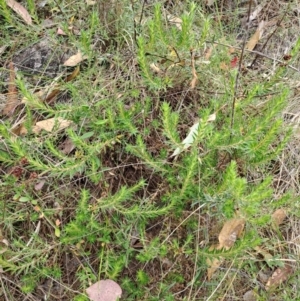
[(258, 53), (239, 71), (268, 39)]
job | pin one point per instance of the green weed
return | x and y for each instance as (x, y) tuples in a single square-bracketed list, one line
[(117, 205)]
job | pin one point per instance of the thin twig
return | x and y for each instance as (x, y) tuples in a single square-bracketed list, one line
[(268, 39), (4, 291), (179, 225), (142, 13), (178, 57), (196, 257), (134, 25), (36, 232), (258, 53), (134, 22), (239, 72), (162, 57)]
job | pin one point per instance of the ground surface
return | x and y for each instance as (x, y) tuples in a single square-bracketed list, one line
[(90, 189)]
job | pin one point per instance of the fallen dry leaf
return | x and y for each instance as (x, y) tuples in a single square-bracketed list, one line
[(60, 32), (209, 52), (234, 61), (47, 23), (231, 50), (189, 139), (74, 74), (19, 129), (267, 256), (55, 91), (104, 290), (194, 82), (231, 230), (155, 68), (256, 37), (38, 186), (12, 100), (278, 216), (250, 296), (210, 2), (213, 264), (255, 13), (3, 48), (4, 245), (51, 96), (37, 208), (175, 20), (67, 146), (20, 10), (48, 93), (224, 66), (49, 124), (263, 275), (280, 275), (212, 117), (74, 30), (75, 59), (233, 64), (90, 2)]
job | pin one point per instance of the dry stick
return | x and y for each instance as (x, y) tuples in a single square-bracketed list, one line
[(36, 232), (4, 291), (142, 13), (162, 57), (178, 57), (180, 224), (275, 60), (194, 76), (268, 39), (196, 259), (134, 22), (134, 26), (239, 72), (256, 52)]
